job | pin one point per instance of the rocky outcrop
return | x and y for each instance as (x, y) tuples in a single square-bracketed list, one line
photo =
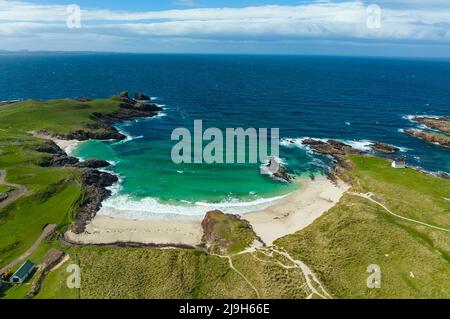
[(93, 163), (139, 96), (50, 147), (432, 138), (58, 161), (338, 151), (441, 124), (384, 148), (95, 192), (278, 171), (226, 234)]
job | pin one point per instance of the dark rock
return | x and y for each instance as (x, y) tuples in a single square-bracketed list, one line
[(148, 107), (441, 124), (384, 148), (278, 171), (105, 134), (97, 178), (58, 161), (124, 95), (432, 138), (139, 96), (3, 196), (50, 147), (93, 163)]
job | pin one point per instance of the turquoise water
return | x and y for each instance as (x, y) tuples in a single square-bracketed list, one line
[(355, 100)]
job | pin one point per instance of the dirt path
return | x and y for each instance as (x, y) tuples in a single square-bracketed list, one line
[(13, 195), (310, 277), (230, 262), (368, 196), (48, 230)]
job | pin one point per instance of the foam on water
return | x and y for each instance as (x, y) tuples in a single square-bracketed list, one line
[(123, 206)]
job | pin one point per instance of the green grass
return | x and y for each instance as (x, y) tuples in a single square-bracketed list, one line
[(5, 189), (57, 116), (53, 192), (231, 235), (341, 244), (130, 273)]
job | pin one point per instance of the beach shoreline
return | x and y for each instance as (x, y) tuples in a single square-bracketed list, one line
[(288, 215)]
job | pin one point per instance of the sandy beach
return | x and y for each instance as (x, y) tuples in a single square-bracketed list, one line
[(66, 145), (290, 214)]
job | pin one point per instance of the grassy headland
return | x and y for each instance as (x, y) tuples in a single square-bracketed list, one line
[(356, 233)]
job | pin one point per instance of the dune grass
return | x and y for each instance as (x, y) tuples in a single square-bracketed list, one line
[(356, 233)]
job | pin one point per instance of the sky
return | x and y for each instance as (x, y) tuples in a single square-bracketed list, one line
[(410, 28)]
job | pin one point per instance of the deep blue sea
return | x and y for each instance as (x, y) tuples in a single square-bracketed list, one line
[(352, 99)]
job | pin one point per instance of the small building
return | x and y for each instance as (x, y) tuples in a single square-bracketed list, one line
[(22, 273), (400, 163)]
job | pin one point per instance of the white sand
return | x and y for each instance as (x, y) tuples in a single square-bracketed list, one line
[(66, 145), (290, 214), (296, 211), (107, 230)]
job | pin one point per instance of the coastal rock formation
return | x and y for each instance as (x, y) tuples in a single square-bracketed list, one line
[(441, 124), (139, 96), (58, 161), (431, 137), (97, 178), (338, 151), (226, 234), (278, 171), (93, 163), (95, 192), (384, 148), (50, 147)]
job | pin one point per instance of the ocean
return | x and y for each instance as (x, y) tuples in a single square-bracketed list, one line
[(355, 100)]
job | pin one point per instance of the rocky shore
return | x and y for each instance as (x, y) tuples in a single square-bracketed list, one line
[(104, 129), (441, 124), (431, 137), (95, 182)]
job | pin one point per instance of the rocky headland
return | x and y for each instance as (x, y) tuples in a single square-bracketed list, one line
[(95, 183)]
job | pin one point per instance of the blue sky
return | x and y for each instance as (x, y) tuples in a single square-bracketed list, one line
[(346, 27)]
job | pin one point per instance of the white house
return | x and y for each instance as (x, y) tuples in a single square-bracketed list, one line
[(399, 164)]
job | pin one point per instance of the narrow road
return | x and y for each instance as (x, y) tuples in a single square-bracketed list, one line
[(369, 197), (13, 195), (48, 230)]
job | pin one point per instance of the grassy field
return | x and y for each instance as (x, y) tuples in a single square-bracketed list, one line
[(172, 273), (57, 116), (356, 233), (53, 192)]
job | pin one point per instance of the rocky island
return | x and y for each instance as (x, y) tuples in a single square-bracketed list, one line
[(441, 126)]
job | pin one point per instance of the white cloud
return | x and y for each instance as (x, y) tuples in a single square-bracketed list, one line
[(320, 20)]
